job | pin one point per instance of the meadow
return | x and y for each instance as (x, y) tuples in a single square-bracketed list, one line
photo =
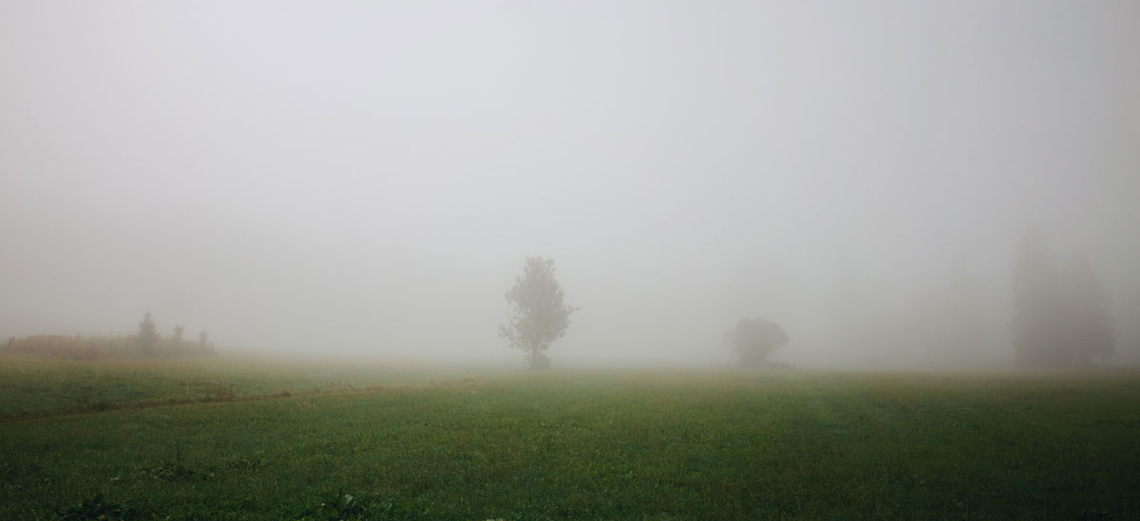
[(392, 443), (36, 387)]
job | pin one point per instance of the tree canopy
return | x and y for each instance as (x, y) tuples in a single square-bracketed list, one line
[(754, 340), (539, 316)]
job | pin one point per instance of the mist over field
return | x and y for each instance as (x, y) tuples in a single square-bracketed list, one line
[(365, 180)]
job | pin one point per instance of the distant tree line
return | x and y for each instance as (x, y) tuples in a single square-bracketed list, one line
[(144, 343), (1062, 318)]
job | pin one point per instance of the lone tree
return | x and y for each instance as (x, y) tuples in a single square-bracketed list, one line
[(539, 317), (754, 340), (147, 335)]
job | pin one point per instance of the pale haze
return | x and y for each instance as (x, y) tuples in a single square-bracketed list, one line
[(365, 179)]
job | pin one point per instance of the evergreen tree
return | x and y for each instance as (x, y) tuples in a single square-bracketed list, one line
[(148, 335)]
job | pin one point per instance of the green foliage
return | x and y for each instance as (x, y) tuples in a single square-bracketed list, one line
[(539, 316), (717, 445)]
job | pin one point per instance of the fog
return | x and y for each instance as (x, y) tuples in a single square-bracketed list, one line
[(365, 179)]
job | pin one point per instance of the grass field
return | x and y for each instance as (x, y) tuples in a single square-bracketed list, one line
[(568, 445), (36, 387)]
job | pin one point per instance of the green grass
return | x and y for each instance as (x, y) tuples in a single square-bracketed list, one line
[(605, 445), (33, 386)]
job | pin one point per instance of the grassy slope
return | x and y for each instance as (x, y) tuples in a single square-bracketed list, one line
[(609, 446)]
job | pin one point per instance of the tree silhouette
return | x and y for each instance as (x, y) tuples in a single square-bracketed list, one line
[(176, 338), (754, 340), (539, 317), (148, 335)]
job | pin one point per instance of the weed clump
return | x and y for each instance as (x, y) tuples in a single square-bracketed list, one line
[(97, 509), (340, 505)]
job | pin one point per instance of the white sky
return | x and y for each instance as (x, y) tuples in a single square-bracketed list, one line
[(367, 177)]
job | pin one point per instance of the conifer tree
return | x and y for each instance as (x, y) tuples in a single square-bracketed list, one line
[(147, 336)]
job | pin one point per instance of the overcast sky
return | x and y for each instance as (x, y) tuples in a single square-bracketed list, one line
[(367, 177)]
